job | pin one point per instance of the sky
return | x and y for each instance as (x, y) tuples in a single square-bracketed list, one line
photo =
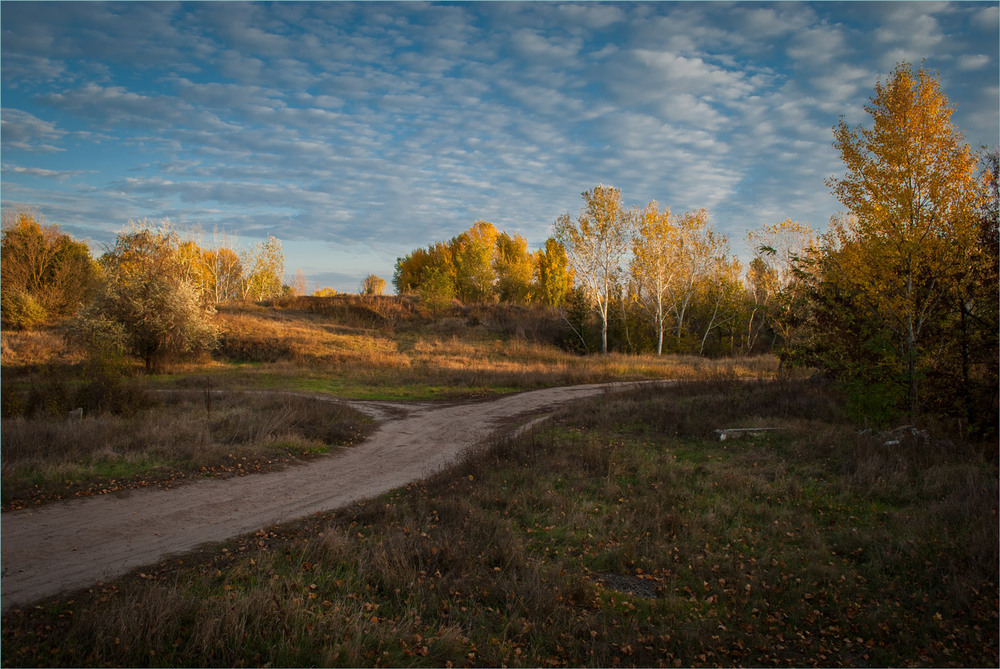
[(357, 132)]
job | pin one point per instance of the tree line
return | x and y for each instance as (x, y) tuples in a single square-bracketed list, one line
[(627, 279), (151, 294)]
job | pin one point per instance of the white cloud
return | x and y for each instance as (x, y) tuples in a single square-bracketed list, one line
[(592, 16), (22, 130), (973, 61), (818, 46), (44, 173)]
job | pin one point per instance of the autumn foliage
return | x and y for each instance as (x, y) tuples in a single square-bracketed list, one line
[(45, 273), (896, 290)]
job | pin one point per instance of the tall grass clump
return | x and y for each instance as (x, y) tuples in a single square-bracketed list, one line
[(621, 533)]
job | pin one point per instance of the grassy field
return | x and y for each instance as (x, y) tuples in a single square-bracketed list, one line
[(622, 532), (357, 348), (172, 437)]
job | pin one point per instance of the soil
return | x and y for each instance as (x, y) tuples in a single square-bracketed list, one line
[(81, 542)]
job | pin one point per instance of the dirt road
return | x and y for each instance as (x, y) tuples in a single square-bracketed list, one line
[(78, 543)]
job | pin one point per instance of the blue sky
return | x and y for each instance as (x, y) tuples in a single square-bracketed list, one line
[(356, 132)]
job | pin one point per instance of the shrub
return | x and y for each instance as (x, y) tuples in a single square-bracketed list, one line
[(21, 311), (146, 307)]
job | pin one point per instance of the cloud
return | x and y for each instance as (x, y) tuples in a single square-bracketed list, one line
[(110, 106), (23, 130), (591, 16), (976, 61), (44, 173), (818, 46)]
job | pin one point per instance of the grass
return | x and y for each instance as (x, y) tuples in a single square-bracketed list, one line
[(447, 358), (619, 533), (358, 348), (179, 435), (385, 349)]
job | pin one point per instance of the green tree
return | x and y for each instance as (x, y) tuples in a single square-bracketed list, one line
[(911, 189), (45, 273), (437, 289), (147, 306), (596, 244)]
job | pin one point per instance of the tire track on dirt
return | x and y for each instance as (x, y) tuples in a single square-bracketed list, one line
[(77, 543)]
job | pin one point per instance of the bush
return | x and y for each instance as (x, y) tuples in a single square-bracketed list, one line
[(146, 307), (20, 310)]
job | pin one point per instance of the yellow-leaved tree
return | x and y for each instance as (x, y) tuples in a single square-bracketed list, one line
[(912, 193), (596, 244), (655, 266)]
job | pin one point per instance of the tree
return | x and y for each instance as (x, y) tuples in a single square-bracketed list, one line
[(595, 245), (45, 273), (299, 283), (778, 252), (911, 190), (720, 292), (694, 249), (437, 289), (553, 279), (412, 269), (147, 305), (654, 264), (373, 285), (514, 268), (263, 266), (224, 274), (762, 287), (474, 252)]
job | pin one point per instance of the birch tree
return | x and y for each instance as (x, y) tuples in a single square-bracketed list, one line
[(596, 244), (263, 266), (779, 250), (655, 264), (694, 248)]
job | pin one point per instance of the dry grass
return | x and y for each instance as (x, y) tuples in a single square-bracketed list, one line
[(34, 348), (184, 434), (445, 358), (622, 534), (388, 348)]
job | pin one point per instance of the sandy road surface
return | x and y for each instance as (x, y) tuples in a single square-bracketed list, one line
[(75, 544)]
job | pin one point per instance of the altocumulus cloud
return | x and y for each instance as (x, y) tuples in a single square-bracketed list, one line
[(358, 131)]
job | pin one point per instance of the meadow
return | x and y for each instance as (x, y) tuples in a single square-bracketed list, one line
[(620, 532), (207, 418)]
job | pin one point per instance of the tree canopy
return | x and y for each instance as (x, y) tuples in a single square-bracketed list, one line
[(45, 273)]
